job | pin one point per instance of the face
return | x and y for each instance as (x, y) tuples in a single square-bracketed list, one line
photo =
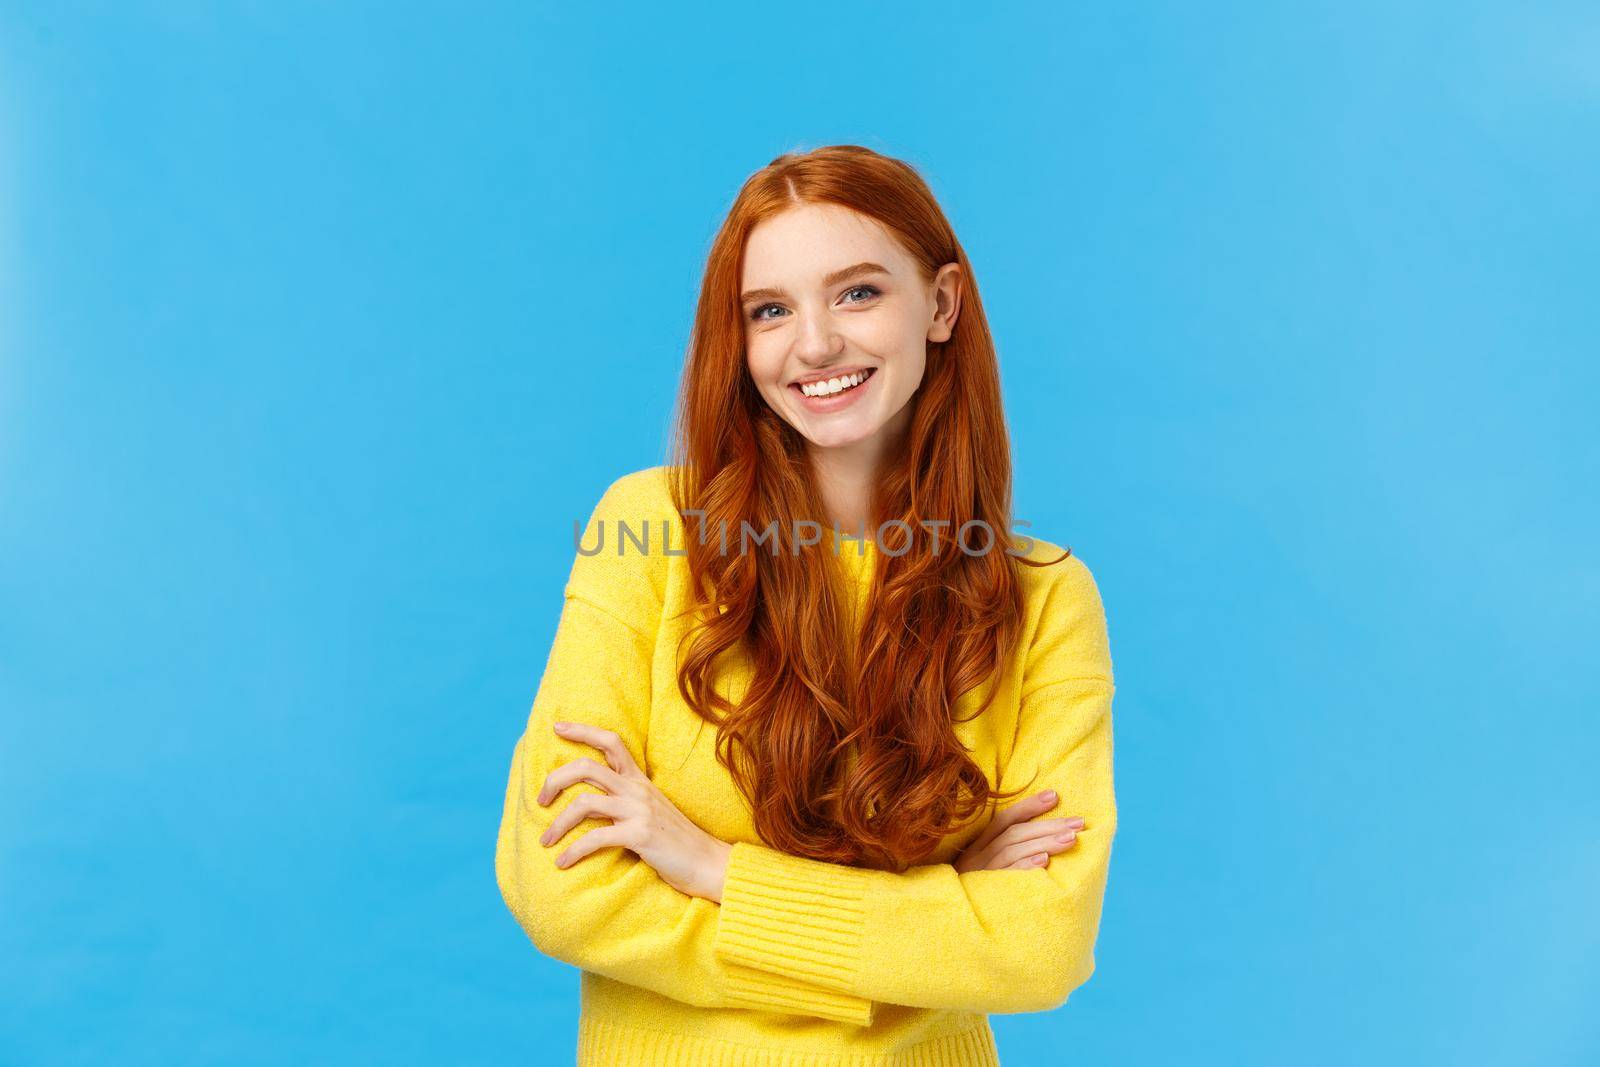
[(828, 294)]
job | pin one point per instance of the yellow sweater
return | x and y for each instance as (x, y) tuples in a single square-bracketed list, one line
[(803, 962)]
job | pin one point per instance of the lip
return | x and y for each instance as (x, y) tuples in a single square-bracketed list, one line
[(821, 405), (837, 372)]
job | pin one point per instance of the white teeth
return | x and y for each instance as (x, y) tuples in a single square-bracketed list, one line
[(834, 385)]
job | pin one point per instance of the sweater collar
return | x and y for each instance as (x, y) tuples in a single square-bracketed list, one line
[(855, 554)]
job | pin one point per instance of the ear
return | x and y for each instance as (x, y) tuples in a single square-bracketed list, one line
[(946, 301)]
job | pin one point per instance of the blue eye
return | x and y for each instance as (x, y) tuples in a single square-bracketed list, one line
[(870, 290)]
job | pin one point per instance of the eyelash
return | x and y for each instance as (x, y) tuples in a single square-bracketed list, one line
[(755, 313)]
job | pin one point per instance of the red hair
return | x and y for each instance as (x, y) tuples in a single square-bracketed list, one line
[(935, 624)]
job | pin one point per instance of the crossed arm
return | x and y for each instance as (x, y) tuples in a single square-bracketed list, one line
[(798, 935), (611, 913)]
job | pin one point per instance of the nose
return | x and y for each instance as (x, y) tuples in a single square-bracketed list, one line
[(818, 343)]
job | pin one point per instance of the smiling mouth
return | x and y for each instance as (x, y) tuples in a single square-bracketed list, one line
[(834, 386)]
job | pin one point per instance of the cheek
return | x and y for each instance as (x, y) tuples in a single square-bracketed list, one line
[(763, 368), (900, 343), (893, 338)]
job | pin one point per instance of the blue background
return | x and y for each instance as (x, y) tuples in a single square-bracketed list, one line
[(321, 326)]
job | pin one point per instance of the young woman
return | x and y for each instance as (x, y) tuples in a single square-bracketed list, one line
[(797, 667)]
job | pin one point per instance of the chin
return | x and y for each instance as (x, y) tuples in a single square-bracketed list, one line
[(837, 436)]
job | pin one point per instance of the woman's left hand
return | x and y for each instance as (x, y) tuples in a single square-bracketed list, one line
[(643, 820)]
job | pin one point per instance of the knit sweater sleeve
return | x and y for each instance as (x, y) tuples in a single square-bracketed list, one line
[(986, 941), (611, 913)]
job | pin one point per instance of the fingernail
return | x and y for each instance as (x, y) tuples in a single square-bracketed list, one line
[(1048, 795), (1075, 822), (562, 726), (1040, 858), (1066, 838)]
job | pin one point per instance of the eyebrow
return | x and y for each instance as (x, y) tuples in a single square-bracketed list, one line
[(833, 279)]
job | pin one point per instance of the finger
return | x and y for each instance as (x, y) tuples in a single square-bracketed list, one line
[(607, 741), (1023, 809), (1030, 862), (1027, 849), (1006, 817), (1036, 828), (582, 769), (587, 806), (591, 842)]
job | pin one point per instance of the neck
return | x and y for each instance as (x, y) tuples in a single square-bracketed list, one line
[(847, 476)]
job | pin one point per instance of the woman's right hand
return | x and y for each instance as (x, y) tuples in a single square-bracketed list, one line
[(1017, 839)]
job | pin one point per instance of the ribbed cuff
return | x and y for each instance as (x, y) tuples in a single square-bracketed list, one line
[(750, 988), (792, 926)]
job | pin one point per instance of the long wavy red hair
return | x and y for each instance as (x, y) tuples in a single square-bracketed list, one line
[(934, 625)]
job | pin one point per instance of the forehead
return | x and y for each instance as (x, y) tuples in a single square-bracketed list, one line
[(806, 242)]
